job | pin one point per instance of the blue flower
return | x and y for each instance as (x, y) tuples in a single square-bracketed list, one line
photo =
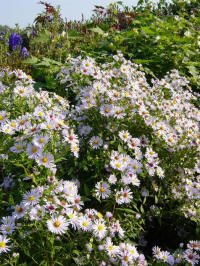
[(15, 41), (24, 52)]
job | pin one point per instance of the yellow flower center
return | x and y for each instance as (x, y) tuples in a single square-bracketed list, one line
[(18, 147), (57, 224), (1, 117), (34, 149), (7, 229), (111, 247), (2, 244), (13, 125), (41, 140), (102, 189), (96, 142), (85, 224), (126, 258), (75, 148), (21, 91), (118, 165), (100, 227), (31, 198), (45, 160)]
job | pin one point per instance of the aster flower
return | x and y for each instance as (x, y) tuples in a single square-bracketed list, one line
[(99, 229), (102, 190), (7, 228), (96, 142), (124, 195), (191, 256), (40, 140), (57, 225), (45, 159), (110, 247), (85, 223), (3, 244), (31, 197)]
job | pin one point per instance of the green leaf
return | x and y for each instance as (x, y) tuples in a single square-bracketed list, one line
[(43, 37), (97, 30)]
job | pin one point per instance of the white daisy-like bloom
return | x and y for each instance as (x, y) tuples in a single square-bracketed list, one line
[(132, 249), (3, 244), (85, 130), (85, 223), (18, 147), (112, 179), (7, 129), (45, 159), (20, 211), (106, 110), (194, 244), (73, 218), (118, 164), (3, 116), (135, 166), (96, 142), (99, 229), (8, 219), (20, 74), (7, 228), (135, 181), (31, 197), (102, 190), (160, 172), (118, 112), (57, 225), (110, 247), (116, 228), (36, 213), (70, 137), (23, 91), (156, 252), (124, 135), (40, 140), (133, 143), (75, 149), (33, 151), (126, 179), (124, 195), (138, 154)]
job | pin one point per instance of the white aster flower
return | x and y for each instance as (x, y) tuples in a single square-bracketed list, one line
[(57, 225)]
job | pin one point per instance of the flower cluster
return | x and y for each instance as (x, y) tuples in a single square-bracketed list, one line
[(126, 146), (190, 255), (15, 41), (59, 207)]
